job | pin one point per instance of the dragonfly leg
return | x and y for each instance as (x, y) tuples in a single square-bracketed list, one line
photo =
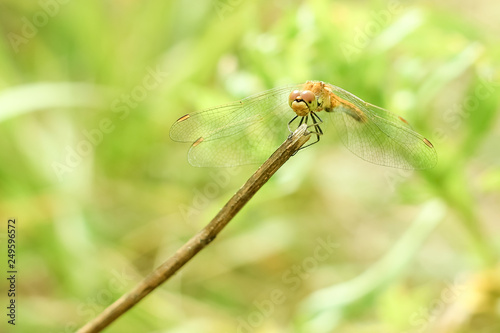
[(317, 122), (300, 123), (289, 129), (318, 131), (316, 117)]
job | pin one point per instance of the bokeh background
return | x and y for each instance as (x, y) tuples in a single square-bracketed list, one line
[(89, 90)]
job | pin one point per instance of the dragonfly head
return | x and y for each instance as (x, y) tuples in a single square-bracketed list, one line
[(302, 102)]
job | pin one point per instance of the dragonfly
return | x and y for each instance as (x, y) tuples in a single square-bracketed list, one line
[(250, 130)]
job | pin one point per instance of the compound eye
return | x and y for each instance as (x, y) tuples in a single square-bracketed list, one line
[(293, 96), (308, 96)]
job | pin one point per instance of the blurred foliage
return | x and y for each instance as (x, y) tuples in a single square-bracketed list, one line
[(88, 91)]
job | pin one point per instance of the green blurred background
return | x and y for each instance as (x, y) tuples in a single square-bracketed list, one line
[(89, 90)]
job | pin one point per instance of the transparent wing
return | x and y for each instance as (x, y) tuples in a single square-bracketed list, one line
[(379, 136), (244, 132)]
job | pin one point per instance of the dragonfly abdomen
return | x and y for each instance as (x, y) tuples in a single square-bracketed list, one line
[(338, 104)]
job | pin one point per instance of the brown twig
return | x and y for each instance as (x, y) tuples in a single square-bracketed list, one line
[(202, 238)]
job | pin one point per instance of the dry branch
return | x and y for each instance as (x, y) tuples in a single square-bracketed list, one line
[(202, 238)]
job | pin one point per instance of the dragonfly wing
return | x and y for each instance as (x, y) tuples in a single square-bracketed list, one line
[(205, 123), (243, 132), (249, 144), (381, 137)]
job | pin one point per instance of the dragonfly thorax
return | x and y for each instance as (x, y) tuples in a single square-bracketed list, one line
[(313, 97)]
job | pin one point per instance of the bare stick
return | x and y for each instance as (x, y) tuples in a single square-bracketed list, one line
[(203, 237)]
